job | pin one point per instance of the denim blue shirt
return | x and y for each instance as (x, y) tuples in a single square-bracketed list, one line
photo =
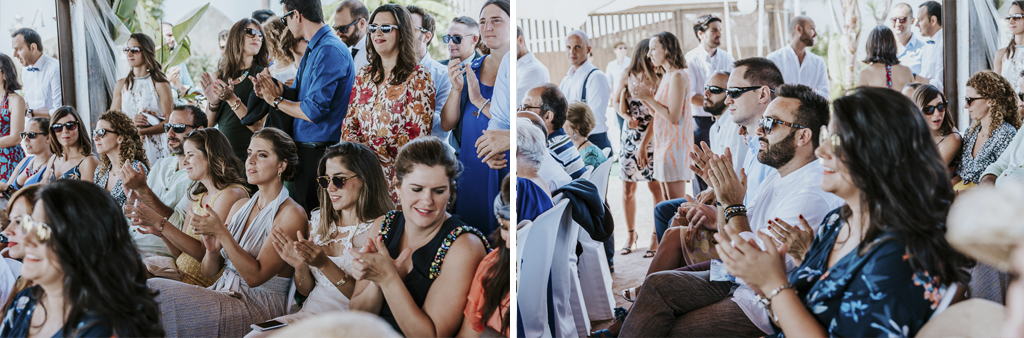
[(501, 98), (324, 82)]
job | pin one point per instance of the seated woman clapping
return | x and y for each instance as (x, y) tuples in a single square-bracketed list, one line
[(420, 247), (118, 144), (353, 194)]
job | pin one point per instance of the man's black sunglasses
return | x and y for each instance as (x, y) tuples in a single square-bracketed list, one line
[(178, 127), (284, 18), (456, 38), (768, 123), (715, 90), (736, 92), (344, 29)]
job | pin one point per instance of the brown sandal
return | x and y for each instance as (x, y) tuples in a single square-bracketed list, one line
[(650, 253)]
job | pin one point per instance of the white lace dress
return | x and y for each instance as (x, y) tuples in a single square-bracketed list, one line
[(143, 97), (1013, 67)]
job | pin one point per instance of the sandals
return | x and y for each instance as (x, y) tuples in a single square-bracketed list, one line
[(632, 238), (650, 253), (630, 294)]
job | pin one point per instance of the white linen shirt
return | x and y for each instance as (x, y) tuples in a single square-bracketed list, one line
[(442, 88), (359, 60), (1009, 167), (813, 72), (931, 60), (42, 88), (530, 74), (726, 134), (911, 55), (614, 71), (597, 92), (553, 173), (702, 66), (170, 186)]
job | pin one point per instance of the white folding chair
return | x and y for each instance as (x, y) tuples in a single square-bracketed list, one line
[(595, 276), (600, 178), (571, 314), (534, 251)]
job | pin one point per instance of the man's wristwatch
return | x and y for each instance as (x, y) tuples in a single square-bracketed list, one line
[(29, 112), (278, 101)]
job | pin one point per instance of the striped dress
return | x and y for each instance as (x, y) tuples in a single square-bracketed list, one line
[(672, 141)]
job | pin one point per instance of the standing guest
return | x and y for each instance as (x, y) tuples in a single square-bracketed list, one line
[(178, 76), (702, 62), (673, 125), (488, 302), (353, 194), (36, 142), (386, 118), (462, 38), (929, 21), (145, 95), (118, 143), (579, 120), (42, 73), (222, 41), (584, 82), (262, 15), (285, 50), (614, 71), (532, 189), (798, 65), (83, 283), (935, 110), (991, 103), (72, 151), (883, 67), (319, 98), (229, 90), (254, 285), (530, 72), (423, 35), (547, 102), (1008, 62), (351, 20), (427, 172), (908, 46), (12, 118)]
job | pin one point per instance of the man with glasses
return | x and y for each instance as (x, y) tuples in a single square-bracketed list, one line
[(462, 38), (350, 23), (702, 62), (908, 46), (799, 65), (423, 34), (548, 102), (41, 78), (929, 21)]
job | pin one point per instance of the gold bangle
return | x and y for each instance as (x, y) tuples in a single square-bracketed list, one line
[(342, 281)]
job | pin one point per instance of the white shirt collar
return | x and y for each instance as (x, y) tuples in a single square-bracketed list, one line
[(585, 67), (526, 59), (41, 62), (361, 45), (426, 59), (800, 174), (937, 37)]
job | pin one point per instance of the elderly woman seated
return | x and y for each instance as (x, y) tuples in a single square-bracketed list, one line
[(533, 191)]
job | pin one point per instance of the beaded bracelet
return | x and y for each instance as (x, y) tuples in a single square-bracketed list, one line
[(734, 210)]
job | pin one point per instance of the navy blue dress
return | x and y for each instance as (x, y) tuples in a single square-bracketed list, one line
[(531, 200), (18, 320), (877, 294)]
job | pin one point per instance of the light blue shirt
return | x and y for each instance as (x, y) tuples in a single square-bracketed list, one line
[(442, 87), (501, 98), (756, 171), (911, 56)]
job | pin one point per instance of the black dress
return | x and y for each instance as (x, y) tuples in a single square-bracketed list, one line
[(230, 125), (426, 261)]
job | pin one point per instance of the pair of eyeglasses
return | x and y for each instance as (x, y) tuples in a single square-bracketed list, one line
[(828, 138), (421, 29), (929, 110), (970, 100), (39, 229), (30, 135), (456, 39), (386, 29), (736, 92), (714, 90), (343, 29), (523, 107), (100, 133), (1014, 17), (1020, 96), (132, 50), (284, 18), (177, 127), (71, 126), (768, 123), (337, 181), (251, 32), (900, 19)]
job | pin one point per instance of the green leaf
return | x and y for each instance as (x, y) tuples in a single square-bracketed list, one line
[(329, 12), (182, 52), (125, 9), (181, 30)]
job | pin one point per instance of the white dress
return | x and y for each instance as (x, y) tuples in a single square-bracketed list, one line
[(143, 97), (1012, 67)]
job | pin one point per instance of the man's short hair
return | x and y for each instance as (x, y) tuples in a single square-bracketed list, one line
[(356, 9), (620, 43), (813, 111), (428, 20), (310, 9), (761, 72), (905, 5), (30, 36), (262, 15), (552, 100), (933, 9), (198, 116), (223, 36), (703, 22), (468, 21), (519, 31)]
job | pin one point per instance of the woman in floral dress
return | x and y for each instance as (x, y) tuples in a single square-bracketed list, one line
[(12, 118)]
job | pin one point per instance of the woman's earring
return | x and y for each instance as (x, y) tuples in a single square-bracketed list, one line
[(278, 174)]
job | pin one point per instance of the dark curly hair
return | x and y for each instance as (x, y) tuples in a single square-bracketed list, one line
[(131, 146), (284, 148), (279, 40), (994, 88), (225, 168)]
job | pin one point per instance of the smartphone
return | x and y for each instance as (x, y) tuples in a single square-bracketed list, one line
[(268, 325)]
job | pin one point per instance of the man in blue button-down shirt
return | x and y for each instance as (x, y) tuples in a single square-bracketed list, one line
[(319, 99)]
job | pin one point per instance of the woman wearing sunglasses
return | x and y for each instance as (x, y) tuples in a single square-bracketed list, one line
[(117, 142), (992, 105), (80, 292), (1009, 61), (255, 281), (72, 151), (12, 118), (145, 95), (36, 142), (353, 194), (228, 92), (20, 204), (884, 68), (879, 265), (393, 97), (935, 110)]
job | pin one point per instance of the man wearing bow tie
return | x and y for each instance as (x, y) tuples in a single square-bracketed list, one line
[(41, 78), (930, 22)]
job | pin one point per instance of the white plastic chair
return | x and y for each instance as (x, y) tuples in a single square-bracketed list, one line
[(570, 311), (535, 250), (600, 178), (595, 276)]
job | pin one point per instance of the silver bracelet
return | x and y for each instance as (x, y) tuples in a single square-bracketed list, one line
[(766, 302)]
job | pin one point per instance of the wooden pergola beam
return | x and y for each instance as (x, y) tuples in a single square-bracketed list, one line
[(949, 56), (66, 53)]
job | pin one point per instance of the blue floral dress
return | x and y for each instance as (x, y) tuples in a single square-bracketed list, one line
[(877, 294), (10, 156)]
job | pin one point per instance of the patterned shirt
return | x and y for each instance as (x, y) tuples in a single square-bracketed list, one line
[(972, 167), (566, 154)]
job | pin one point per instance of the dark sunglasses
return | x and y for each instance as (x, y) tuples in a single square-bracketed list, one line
[(970, 100), (325, 181), (1020, 96), (284, 18), (1014, 17), (736, 92), (57, 128), (250, 32), (344, 29), (30, 135), (100, 132), (941, 108), (900, 19), (715, 90), (132, 50), (177, 127), (386, 29), (768, 123), (457, 39)]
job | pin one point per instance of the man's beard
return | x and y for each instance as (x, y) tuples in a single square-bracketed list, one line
[(715, 110), (777, 154), (353, 38), (807, 40), (180, 149)]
